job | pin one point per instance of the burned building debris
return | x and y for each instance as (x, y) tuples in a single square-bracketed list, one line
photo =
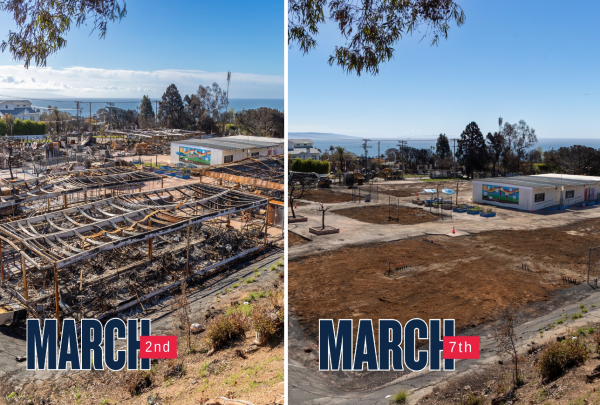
[(109, 254)]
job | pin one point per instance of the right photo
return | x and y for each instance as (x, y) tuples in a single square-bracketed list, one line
[(443, 217)]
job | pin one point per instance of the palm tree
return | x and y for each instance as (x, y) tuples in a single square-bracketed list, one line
[(340, 151)]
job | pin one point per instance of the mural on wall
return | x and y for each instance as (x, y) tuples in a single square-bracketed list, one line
[(193, 155), (504, 195)]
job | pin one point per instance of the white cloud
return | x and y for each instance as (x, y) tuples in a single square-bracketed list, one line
[(91, 82)]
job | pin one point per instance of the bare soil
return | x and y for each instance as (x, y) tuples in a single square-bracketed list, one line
[(295, 239), (380, 214), (232, 371), (493, 384), (326, 196), (469, 279)]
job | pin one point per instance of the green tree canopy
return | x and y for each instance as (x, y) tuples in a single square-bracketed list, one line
[(42, 25), (146, 118), (471, 150), (171, 113), (262, 121), (442, 147), (369, 28)]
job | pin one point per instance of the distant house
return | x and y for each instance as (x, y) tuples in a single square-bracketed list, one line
[(303, 149), (20, 109)]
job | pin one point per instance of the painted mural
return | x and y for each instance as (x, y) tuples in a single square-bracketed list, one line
[(193, 155), (504, 195)]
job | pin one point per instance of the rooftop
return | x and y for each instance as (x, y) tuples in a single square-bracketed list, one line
[(226, 143), (543, 181)]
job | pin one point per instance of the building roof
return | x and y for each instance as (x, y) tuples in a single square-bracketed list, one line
[(304, 150), (18, 111), (542, 181), (226, 143), (300, 141)]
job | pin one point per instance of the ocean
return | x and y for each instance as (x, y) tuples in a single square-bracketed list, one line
[(130, 104), (354, 145)]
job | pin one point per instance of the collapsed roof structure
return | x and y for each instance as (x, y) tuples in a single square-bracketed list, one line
[(264, 174), (57, 190), (115, 253)]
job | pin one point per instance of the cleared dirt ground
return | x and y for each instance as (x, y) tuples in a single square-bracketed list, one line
[(469, 279), (380, 214), (326, 196), (295, 239)]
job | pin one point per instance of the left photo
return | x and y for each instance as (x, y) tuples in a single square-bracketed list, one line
[(142, 202)]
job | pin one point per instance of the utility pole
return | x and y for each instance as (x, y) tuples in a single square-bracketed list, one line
[(156, 108), (77, 115), (454, 154), (227, 100), (378, 151), (91, 117), (366, 148), (109, 105), (401, 145)]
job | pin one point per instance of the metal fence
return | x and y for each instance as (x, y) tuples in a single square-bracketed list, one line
[(39, 166)]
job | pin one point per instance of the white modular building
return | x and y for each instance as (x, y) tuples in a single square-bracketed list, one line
[(216, 151), (540, 192)]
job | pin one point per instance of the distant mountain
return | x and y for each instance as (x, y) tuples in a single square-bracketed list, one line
[(318, 135)]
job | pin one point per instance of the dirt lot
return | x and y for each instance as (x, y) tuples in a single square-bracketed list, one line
[(295, 239), (494, 384), (468, 278), (326, 196), (380, 214)]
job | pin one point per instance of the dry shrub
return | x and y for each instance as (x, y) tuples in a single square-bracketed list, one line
[(266, 321), (560, 356), (472, 399), (175, 369), (136, 382), (226, 328)]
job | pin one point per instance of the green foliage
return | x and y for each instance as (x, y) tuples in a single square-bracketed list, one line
[(3, 127), (310, 166), (560, 356), (264, 323), (171, 109), (27, 127), (400, 397), (42, 26), (226, 328)]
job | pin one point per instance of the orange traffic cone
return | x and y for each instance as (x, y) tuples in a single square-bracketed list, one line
[(453, 231)]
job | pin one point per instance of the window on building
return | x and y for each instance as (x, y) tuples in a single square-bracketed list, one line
[(570, 194), (228, 159), (540, 197), (255, 154)]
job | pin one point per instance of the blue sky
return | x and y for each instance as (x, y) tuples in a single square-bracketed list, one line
[(535, 60), (188, 43)]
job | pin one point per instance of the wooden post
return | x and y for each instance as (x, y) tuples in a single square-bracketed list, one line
[(266, 221), (1, 262), (56, 301), (140, 187), (85, 197), (187, 264), (150, 249), (161, 182), (81, 279), (65, 200), (48, 204), (24, 271)]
